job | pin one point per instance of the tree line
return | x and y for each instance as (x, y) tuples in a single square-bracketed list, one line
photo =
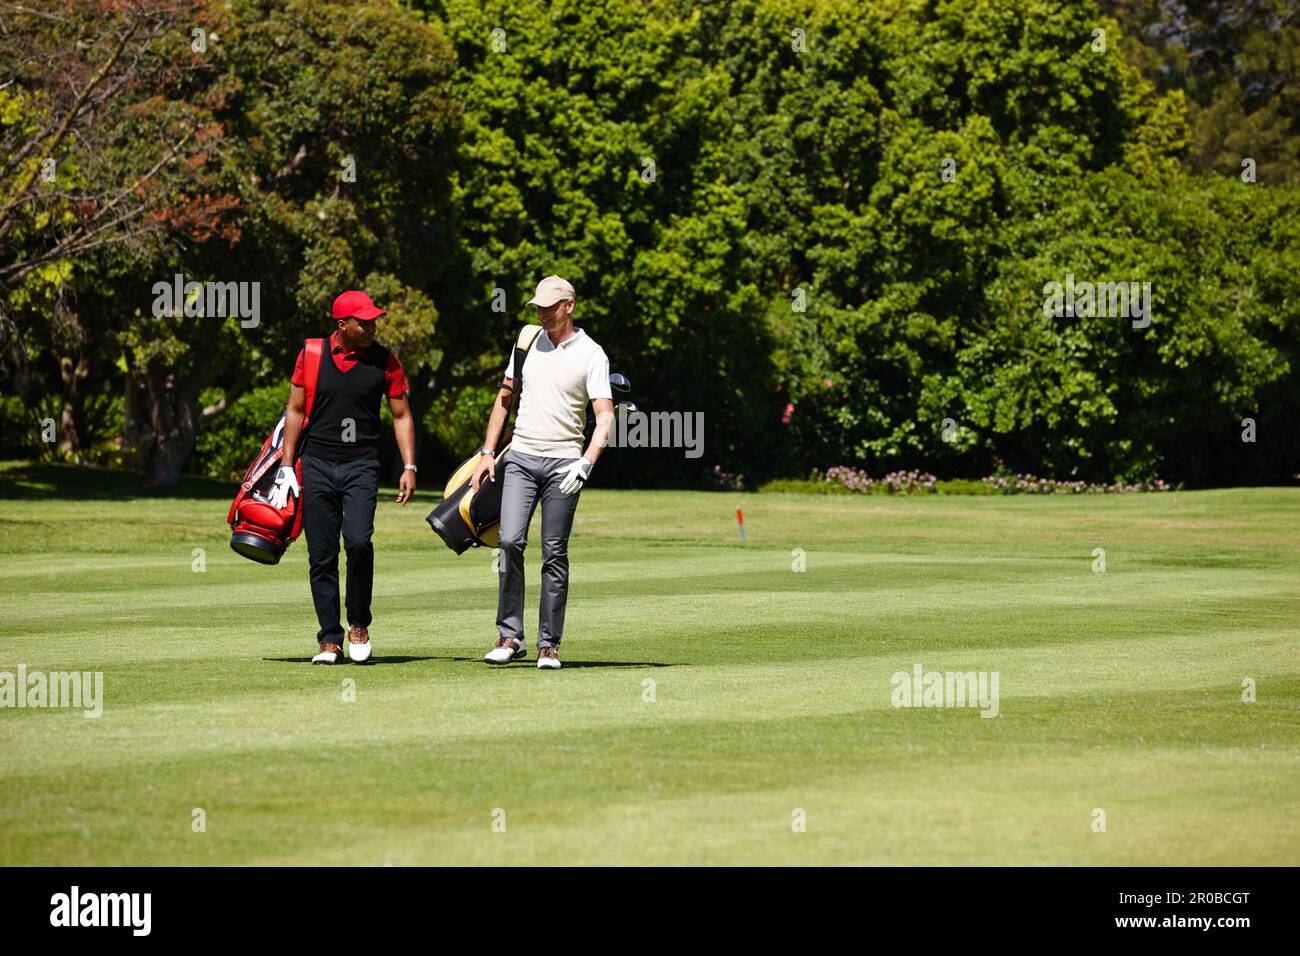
[(834, 228)]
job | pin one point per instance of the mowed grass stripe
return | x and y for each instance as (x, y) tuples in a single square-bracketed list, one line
[(241, 705), (574, 788), (964, 610), (774, 688)]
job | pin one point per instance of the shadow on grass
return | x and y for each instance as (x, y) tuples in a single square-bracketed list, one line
[(40, 480), (404, 659), (568, 664), (24, 479), (571, 664), (389, 659)]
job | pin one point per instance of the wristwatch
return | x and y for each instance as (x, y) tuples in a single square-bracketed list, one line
[(409, 468), (485, 450)]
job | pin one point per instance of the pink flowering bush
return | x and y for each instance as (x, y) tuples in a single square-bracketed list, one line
[(1031, 485), (850, 478), (894, 483), (843, 478)]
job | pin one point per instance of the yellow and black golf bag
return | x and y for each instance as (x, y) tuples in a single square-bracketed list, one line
[(470, 519)]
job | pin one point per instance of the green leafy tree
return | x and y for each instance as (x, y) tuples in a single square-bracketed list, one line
[(1238, 63)]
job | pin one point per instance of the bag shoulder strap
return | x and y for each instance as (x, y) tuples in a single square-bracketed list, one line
[(523, 345), (312, 351), (527, 336)]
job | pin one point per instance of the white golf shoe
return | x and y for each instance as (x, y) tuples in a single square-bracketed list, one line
[(359, 646), (507, 649), (548, 659), (329, 654)]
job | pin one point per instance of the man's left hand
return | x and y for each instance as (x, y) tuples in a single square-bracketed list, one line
[(406, 487), (575, 476)]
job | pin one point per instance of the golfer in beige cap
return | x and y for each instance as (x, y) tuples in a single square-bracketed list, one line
[(546, 461)]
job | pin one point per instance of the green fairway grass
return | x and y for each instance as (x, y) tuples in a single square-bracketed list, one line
[(710, 694)]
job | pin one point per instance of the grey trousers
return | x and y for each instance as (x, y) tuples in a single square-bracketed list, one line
[(526, 478)]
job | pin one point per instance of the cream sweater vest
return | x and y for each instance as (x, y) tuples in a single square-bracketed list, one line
[(554, 399)]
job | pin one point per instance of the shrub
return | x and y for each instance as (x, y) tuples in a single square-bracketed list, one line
[(1031, 485), (228, 444)]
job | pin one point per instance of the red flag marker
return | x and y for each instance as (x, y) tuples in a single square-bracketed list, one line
[(740, 520)]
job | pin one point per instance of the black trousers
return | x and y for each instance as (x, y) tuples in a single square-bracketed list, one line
[(339, 498)]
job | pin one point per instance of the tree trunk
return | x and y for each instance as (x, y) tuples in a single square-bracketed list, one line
[(74, 371), (163, 469), (174, 408), (137, 431), (173, 418)]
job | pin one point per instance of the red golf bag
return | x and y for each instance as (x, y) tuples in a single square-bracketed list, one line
[(262, 532)]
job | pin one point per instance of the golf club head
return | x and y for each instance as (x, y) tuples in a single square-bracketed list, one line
[(622, 408), (619, 382)]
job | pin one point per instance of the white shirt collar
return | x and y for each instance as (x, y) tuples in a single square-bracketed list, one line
[(577, 334)]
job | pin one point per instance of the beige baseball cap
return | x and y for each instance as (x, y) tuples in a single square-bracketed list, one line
[(551, 290)]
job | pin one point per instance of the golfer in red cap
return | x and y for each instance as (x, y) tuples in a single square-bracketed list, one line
[(340, 467)]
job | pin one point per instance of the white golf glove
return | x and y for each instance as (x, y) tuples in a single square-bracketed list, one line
[(575, 475), (286, 483)]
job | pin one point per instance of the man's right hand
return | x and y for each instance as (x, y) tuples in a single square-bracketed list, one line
[(286, 484), (486, 466)]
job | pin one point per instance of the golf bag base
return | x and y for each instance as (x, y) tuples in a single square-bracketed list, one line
[(261, 531), (257, 547), (467, 519)]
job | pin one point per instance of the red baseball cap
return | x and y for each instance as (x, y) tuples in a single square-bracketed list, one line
[(356, 305)]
